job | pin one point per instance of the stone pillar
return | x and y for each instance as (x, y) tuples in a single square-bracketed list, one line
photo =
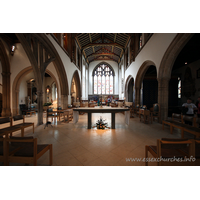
[(40, 107), (64, 101), (16, 103), (6, 111), (163, 92), (137, 95)]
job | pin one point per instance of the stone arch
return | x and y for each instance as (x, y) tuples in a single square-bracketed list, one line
[(15, 89), (6, 111), (16, 85), (165, 69), (54, 80), (77, 83), (139, 78), (128, 80)]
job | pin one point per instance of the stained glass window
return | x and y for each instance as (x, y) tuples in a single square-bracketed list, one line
[(179, 87), (103, 80)]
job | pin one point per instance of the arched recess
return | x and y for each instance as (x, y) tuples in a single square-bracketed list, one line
[(139, 79), (41, 52), (129, 89), (6, 111), (77, 84), (56, 82), (165, 69), (16, 85)]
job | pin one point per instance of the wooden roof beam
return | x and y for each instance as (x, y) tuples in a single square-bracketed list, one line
[(102, 44), (103, 54)]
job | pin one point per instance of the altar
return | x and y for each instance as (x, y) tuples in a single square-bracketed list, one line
[(98, 109)]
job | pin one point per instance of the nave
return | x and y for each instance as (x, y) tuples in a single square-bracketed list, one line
[(75, 145)]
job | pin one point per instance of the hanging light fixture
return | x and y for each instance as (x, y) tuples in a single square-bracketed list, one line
[(13, 50)]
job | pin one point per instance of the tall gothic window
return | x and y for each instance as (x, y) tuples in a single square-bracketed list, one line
[(179, 87), (103, 80)]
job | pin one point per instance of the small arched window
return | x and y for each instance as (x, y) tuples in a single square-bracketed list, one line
[(103, 79)]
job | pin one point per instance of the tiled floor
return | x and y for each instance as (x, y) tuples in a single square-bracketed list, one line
[(75, 145)]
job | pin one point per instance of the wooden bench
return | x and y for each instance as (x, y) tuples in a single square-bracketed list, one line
[(168, 150), (10, 129), (28, 151), (181, 125)]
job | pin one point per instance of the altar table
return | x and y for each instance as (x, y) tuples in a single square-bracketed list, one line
[(99, 109)]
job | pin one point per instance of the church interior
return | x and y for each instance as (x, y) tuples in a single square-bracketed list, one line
[(99, 100), (151, 75)]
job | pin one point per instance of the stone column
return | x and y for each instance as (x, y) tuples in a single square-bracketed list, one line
[(64, 101), (137, 95), (40, 107), (6, 111), (163, 92), (16, 103)]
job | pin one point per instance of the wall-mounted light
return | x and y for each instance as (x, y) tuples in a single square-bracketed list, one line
[(13, 50), (48, 89)]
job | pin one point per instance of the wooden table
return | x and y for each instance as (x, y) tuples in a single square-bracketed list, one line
[(99, 109)]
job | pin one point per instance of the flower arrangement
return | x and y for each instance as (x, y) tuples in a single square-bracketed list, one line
[(101, 124), (47, 104)]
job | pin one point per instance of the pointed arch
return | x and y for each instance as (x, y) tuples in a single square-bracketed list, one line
[(165, 69), (128, 81), (77, 83), (139, 78)]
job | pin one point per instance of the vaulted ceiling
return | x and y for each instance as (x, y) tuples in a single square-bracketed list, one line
[(102, 46)]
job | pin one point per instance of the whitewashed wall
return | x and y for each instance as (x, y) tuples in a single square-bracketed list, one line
[(23, 87), (153, 50), (70, 67)]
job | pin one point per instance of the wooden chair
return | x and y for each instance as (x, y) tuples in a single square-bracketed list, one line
[(176, 117), (168, 149), (3, 150), (186, 118), (156, 112), (197, 151), (28, 150), (22, 125), (60, 112), (197, 122), (144, 115), (132, 111), (10, 129), (51, 114), (68, 115)]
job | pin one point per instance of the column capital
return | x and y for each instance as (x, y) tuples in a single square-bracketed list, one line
[(6, 73)]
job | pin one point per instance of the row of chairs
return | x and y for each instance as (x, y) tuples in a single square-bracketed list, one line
[(67, 114), (20, 125), (174, 152), (152, 114)]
